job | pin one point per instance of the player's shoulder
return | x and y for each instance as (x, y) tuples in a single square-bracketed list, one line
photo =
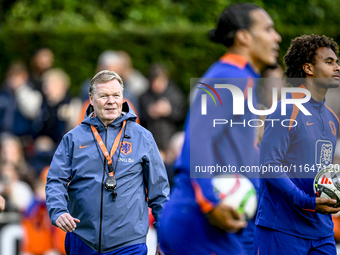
[(137, 127), (78, 131), (286, 110), (81, 132), (226, 70), (334, 122), (278, 113), (139, 130), (332, 114)]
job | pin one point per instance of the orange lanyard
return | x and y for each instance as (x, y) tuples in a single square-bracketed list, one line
[(102, 145)]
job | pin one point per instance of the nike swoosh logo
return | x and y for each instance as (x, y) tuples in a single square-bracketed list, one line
[(82, 147), (308, 124)]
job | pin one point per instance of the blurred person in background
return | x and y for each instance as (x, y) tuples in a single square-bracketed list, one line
[(162, 107), (2, 203), (18, 194), (12, 152), (41, 61), (40, 237), (202, 223), (17, 177), (59, 110), (134, 80), (173, 151), (41, 153), (19, 102)]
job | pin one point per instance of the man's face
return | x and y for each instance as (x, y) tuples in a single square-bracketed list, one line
[(107, 100), (326, 68), (265, 40)]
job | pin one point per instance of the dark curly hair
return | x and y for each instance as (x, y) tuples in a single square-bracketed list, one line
[(302, 50), (235, 17)]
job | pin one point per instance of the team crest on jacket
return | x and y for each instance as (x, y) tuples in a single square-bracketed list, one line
[(331, 124), (324, 153), (126, 148)]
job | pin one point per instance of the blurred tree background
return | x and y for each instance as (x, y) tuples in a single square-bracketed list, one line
[(173, 32)]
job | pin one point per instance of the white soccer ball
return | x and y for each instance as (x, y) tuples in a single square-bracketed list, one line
[(237, 191), (327, 184)]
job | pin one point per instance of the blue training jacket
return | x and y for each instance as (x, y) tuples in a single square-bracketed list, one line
[(205, 145), (287, 200), (219, 146), (106, 225)]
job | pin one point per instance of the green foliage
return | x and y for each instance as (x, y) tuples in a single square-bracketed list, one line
[(173, 32), (107, 15)]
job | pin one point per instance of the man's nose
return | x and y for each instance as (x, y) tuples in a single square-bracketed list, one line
[(278, 37), (111, 99), (337, 67)]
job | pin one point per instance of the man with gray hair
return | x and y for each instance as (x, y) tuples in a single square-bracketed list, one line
[(104, 175)]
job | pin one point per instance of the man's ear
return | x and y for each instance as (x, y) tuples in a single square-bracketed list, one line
[(308, 68), (91, 99), (243, 37)]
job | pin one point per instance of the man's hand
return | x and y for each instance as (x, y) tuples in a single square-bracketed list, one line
[(164, 107), (225, 217), (323, 205), (2, 204), (66, 222)]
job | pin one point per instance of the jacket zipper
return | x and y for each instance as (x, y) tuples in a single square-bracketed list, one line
[(101, 201), (323, 124)]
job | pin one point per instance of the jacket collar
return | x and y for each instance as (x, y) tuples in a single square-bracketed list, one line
[(313, 102)]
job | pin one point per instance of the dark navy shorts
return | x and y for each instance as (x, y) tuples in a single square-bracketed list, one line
[(75, 246), (269, 241)]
